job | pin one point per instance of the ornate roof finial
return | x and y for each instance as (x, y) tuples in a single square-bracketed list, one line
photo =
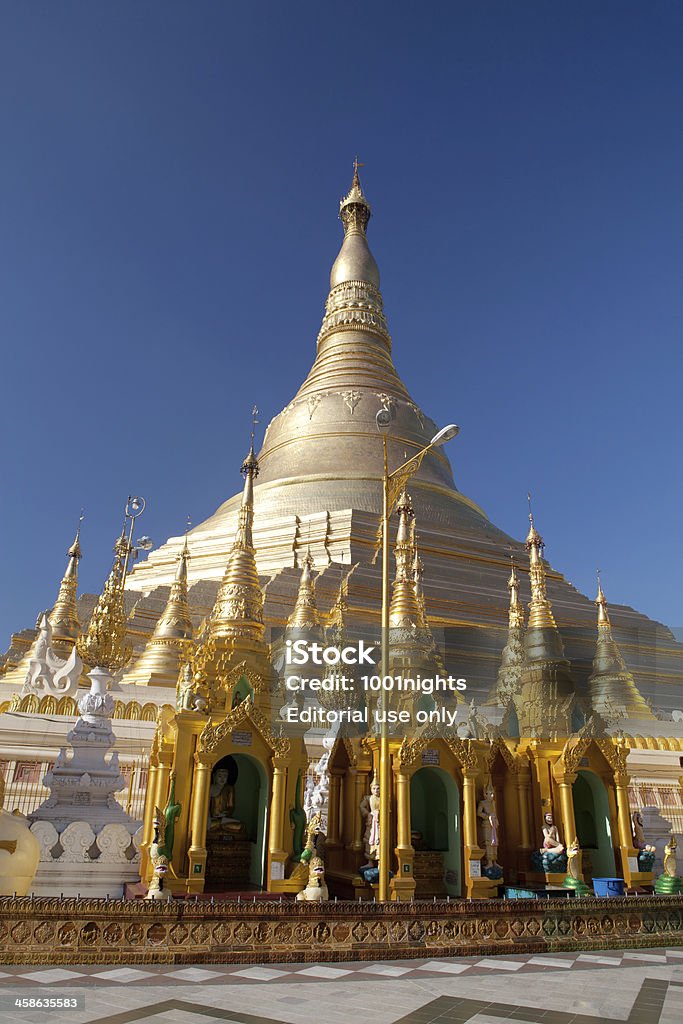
[(238, 610), (516, 612), (540, 612), (601, 602), (354, 209), (404, 611), (104, 645), (64, 615), (305, 615)]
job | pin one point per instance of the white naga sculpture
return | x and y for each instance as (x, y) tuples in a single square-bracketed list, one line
[(47, 673)]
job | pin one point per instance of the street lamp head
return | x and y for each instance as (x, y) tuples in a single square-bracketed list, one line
[(445, 434)]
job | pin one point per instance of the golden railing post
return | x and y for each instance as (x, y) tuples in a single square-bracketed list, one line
[(384, 755), (199, 817), (403, 886), (276, 854)]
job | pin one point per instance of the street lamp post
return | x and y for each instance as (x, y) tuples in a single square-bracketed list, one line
[(393, 483)]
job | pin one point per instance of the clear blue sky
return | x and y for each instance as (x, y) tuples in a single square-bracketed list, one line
[(169, 186)]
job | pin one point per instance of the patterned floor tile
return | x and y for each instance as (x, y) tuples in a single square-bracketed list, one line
[(493, 963), (444, 967), (192, 974), (52, 974), (547, 961), (323, 972), (123, 974), (260, 973), (386, 970)]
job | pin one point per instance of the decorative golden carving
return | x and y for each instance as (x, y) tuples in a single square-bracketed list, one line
[(212, 736)]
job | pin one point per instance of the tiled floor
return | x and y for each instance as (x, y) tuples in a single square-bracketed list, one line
[(629, 986)]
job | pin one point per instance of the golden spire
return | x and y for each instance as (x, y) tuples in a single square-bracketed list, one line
[(612, 688), (238, 611), (404, 611), (418, 572), (354, 209), (540, 611), (170, 643), (64, 616), (305, 615), (516, 612), (603, 615), (104, 644), (508, 681)]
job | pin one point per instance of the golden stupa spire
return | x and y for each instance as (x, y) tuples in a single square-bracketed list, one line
[(509, 679), (540, 611), (64, 615), (238, 611), (516, 610), (305, 615), (104, 644), (404, 611), (612, 688), (171, 642), (418, 572)]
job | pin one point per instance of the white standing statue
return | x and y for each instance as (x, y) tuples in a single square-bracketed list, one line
[(486, 812), (369, 809)]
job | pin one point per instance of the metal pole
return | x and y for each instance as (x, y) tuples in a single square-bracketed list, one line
[(384, 757)]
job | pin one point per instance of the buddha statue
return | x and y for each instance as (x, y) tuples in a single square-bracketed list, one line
[(222, 803), (551, 836)]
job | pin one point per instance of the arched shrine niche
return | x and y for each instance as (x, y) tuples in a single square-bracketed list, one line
[(435, 817), (593, 826), (236, 832)]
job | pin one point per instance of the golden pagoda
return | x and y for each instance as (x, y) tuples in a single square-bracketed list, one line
[(171, 643), (64, 615), (611, 687)]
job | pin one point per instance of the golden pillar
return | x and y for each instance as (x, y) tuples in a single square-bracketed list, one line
[(477, 886), (567, 808), (403, 885), (277, 856), (199, 816), (357, 779), (523, 785)]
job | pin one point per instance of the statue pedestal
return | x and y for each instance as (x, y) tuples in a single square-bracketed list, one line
[(228, 862), (429, 874)]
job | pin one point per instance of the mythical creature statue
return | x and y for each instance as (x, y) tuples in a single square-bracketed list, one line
[(670, 866), (316, 890), (297, 819), (161, 850), (486, 812)]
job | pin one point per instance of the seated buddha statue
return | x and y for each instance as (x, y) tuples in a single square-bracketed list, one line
[(222, 805)]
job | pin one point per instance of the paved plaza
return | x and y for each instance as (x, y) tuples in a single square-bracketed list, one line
[(635, 986)]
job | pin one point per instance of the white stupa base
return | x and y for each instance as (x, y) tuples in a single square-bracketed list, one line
[(86, 880)]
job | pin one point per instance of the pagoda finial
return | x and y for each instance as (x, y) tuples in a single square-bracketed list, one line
[(516, 611), (404, 610), (305, 614), (540, 612), (104, 643), (238, 610), (354, 209), (601, 602), (64, 615)]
